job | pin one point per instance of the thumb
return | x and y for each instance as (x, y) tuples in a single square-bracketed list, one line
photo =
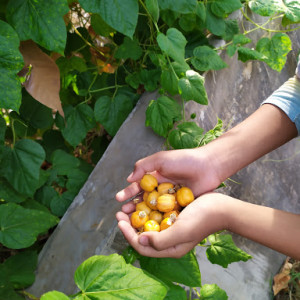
[(170, 237)]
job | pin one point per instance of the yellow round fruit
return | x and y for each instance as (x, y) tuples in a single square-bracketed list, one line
[(166, 223), (152, 199), (151, 225), (138, 219), (184, 196), (148, 183), (142, 206), (166, 202), (165, 188), (156, 216)]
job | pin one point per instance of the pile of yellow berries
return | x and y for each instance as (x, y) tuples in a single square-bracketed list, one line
[(161, 204)]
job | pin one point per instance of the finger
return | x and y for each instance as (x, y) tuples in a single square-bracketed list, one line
[(120, 216), (170, 237), (145, 165), (129, 192), (132, 238), (128, 207)]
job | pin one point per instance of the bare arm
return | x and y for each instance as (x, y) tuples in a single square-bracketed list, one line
[(265, 130)]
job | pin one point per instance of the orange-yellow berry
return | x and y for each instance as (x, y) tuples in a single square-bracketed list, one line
[(151, 225), (148, 183), (138, 219), (184, 196), (166, 202)]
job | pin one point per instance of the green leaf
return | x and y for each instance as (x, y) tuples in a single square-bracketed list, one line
[(120, 15), (275, 50), (245, 54), (19, 227), (240, 40), (45, 195), (191, 87), (223, 251), (60, 203), (111, 113), (153, 9), (172, 44), (231, 29), (63, 162), (169, 81), (292, 11), (11, 62), (214, 24), (206, 58), (212, 292), (213, 133), (8, 193), (41, 21), (183, 270), (222, 8), (175, 292), (188, 22), (68, 64), (26, 157), (129, 49), (19, 269), (109, 277), (266, 7), (161, 114), (53, 140), (36, 114), (80, 120), (54, 295), (186, 135), (2, 134), (100, 26), (76, 180), (182, 6)]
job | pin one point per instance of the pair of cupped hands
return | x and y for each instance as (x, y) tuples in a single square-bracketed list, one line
[(196, 221)]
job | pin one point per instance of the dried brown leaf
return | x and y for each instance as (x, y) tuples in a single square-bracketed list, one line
[(43, 83), (281, 282)]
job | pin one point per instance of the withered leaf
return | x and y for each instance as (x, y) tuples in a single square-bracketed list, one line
[(43, 83)]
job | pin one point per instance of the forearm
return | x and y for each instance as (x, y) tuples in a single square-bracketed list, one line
[(276, 229), (265, 130)]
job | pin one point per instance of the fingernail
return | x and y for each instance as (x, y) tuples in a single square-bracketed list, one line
[(143, 240)]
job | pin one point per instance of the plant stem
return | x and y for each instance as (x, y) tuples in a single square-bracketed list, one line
[(28, 295), (145, 8), (107, 88)]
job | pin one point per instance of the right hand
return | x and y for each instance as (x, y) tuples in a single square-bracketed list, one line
[(190, 167)]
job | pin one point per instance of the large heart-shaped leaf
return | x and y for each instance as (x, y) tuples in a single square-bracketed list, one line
[(275, 50), (109, 277), (19, 269), (212, 292), (41, 21), (161, 114), (191, 87), (11, 62), (223, 251), (173, 44), (111, 113), (205, 58), (182, 6), (186, 135), (120, 15), (80, 120), (19, 227), (8, 193), (183, 270), (21, 165), (266, 7), (222, 8)]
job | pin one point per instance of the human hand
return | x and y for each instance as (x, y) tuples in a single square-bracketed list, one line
[(190, 167), (199, 219)]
